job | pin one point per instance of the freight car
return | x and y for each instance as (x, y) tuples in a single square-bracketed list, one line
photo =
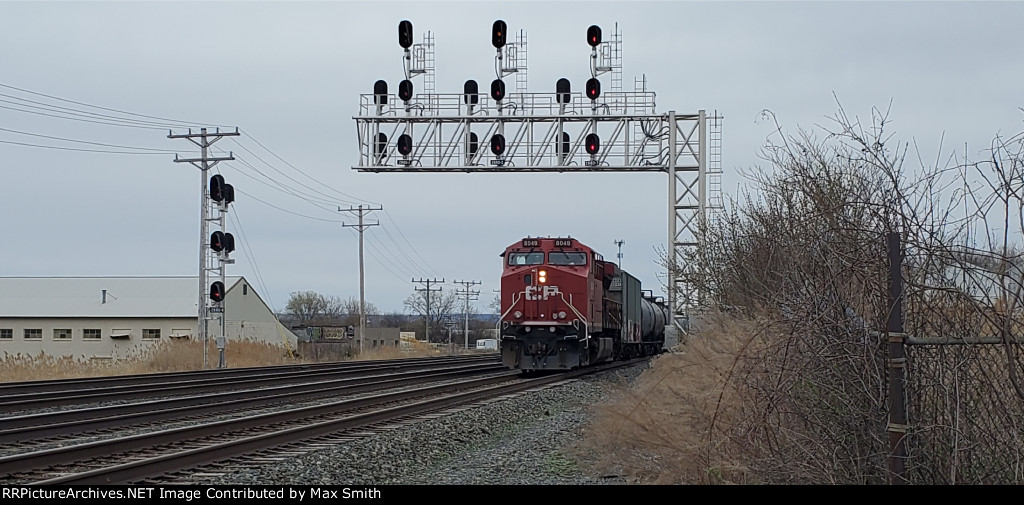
[(564, 307)]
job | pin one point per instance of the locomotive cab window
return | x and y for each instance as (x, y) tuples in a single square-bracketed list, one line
[(567, 258), (526, 258)]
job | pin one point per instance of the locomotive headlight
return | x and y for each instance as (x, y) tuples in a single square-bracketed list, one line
[(561, 315), (517, 314), (542, 276)]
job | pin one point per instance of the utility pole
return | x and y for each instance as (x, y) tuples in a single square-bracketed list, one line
[(204, 163), (619, 243), (467, 294), (361, 211), (427, 283)]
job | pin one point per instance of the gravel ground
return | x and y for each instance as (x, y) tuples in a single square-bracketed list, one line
[(520, 440)]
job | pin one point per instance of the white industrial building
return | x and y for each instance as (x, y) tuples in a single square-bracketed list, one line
[(119, 317)]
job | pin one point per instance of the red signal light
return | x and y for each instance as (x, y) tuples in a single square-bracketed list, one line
[(593, 88), (593, 143), (405, 145), (217, 291), (498, 144), (594, 35), (498, 90)]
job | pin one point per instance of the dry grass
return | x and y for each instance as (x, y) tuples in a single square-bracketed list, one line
[(168, 356), (672, 426)]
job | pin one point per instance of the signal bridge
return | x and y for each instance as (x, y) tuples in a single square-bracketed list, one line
[(539, 133), (558, 131)]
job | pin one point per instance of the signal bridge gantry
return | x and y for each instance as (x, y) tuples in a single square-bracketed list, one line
[(558, 131)]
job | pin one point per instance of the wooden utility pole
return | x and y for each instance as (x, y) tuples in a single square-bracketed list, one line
[(427, 283), (361, 226)]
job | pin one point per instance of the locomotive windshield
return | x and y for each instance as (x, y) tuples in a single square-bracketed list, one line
[(567, 258), (526, 258)]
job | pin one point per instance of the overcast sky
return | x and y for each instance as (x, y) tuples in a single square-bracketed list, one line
[(289, 75)]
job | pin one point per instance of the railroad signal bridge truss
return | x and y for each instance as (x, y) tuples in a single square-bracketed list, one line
[(557, 131)]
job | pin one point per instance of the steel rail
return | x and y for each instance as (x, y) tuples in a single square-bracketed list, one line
[(83, 452), (141, 469), (33, 427), (21, 402), (51, 385)]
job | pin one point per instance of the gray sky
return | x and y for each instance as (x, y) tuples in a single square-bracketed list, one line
[(289, 74)]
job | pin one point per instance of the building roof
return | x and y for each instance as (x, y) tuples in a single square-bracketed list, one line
[(83, 296)]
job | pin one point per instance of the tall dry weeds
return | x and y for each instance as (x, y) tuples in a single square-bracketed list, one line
[(167, 356), (785, 378)]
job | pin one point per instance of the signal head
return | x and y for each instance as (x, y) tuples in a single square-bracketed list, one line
[(498, 90), (562, 90), (498, 144), (405, 34), (593, 143), (593, 88), (381, 144), (594, 35), (217, 241), (474, 143), (498, 34), (229, 193), (405, 145), (217, 188), (405, 90), (217, 291), (471, 93), (380, 92)]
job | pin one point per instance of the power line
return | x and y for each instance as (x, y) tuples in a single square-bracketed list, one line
[(101, 108), (26, 144), (286, 210), (282, 173), (108, 123), (160, 151), (386, 253), (75, 112), (283, 188), (304, 173)]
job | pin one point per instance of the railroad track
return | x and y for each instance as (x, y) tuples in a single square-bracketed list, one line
[(38, 431), (29, 396), (164, 456)]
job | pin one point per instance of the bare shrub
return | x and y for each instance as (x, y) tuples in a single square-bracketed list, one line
[(786, 380)]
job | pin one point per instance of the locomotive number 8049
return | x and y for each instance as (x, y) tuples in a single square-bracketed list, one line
[(564, 307)]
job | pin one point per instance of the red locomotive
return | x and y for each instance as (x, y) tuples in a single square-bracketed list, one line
[(563, 307)]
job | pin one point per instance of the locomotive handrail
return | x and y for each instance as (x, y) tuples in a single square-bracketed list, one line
[(510, 307), (569, 303)]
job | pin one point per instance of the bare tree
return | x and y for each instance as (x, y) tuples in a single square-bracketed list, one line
[(786, 378), (312, 308), (441, 304), (350, 311), (394, 320), (495, 304)]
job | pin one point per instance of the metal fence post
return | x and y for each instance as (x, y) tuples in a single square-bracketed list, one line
[(897, 426)]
